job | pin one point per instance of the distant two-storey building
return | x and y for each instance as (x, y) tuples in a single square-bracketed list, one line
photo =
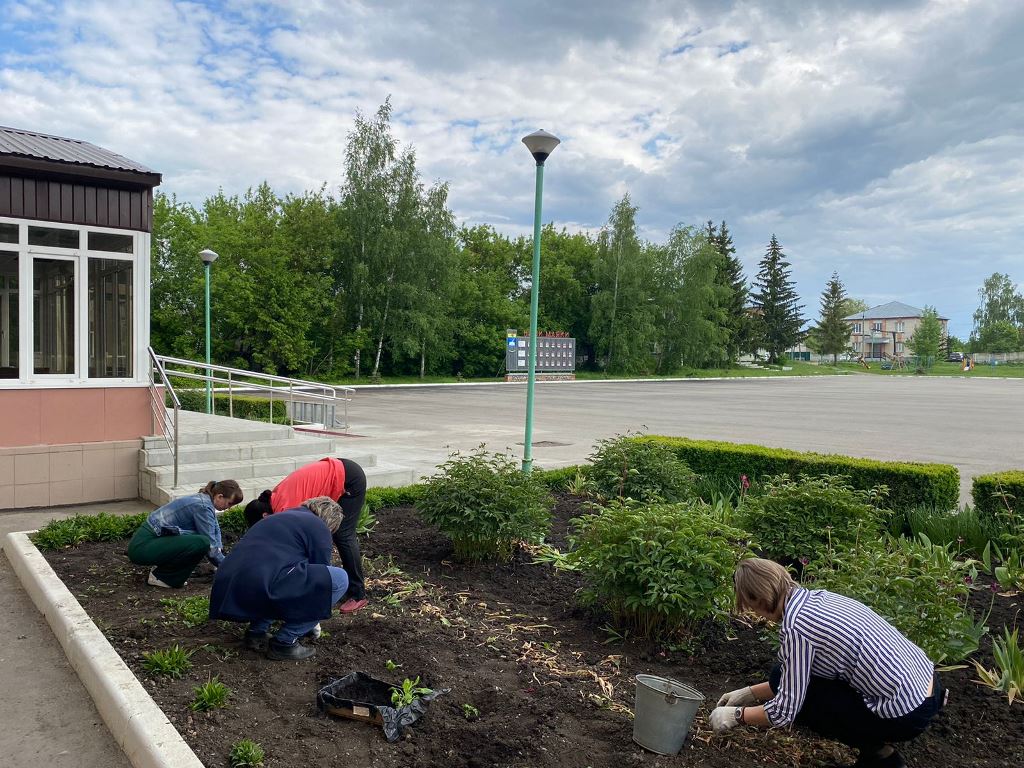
[(884, 330)]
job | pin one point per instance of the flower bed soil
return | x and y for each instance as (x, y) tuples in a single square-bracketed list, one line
[(508, 640)]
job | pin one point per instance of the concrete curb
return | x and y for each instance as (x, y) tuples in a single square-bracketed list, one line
[(137, 724)]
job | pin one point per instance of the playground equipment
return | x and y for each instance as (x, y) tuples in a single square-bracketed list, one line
[(967, 364)]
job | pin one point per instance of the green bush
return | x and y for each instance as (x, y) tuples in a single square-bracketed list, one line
[(485, 504), (560, 479), (172, 662), (998, 493), (795, 521), (246, 754), (658, 569), (909, 484), (919, 587), (240, 407), (624, 467)]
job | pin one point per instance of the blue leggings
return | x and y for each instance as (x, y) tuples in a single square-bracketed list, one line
[(293, 630)]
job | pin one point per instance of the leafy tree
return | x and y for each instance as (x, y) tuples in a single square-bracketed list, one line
[(689, 300), (622, 318), (927, 339), (775, 303), (832, 332), (999, 336), (487, 298), (851, 306), (1001, 306), (953, 344), (567, 283)]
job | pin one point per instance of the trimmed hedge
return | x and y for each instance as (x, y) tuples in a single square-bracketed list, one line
[(993, 493), (243, 406), (910, 484)]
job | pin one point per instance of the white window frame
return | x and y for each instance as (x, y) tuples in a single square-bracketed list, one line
[(140, 304)]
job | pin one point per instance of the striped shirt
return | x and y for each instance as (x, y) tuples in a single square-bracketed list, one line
[(835, 637)]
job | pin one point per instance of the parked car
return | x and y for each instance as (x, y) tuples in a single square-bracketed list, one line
[(955, 357)]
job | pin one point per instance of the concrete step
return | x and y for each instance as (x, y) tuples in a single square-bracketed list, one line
[(238, 469), (235, 434), (313, 447), (377, 476)]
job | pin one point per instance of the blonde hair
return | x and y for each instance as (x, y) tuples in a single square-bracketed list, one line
[(761, 584), (326, 509)]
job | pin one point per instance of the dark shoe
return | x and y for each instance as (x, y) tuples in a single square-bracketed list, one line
[(256, 641), (279, 651), (894, 760)]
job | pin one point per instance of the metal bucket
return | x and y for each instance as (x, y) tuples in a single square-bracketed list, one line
[(663, 713)]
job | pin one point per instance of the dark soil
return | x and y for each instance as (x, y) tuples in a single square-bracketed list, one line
[(552, 688)]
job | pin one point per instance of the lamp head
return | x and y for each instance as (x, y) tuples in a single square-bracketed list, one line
[(208, 256), (541, 144)]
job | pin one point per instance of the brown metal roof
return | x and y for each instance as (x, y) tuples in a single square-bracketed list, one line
[(30, 144)]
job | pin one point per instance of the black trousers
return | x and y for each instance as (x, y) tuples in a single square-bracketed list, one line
[(835, 710), (345, 540)]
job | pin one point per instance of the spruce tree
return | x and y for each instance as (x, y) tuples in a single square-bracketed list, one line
[(832, 331), (735, 292), (775, 302)]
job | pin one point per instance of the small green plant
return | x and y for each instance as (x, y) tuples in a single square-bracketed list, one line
[(246, 754), (793, 521), (580, 484), (367, 521), (470, 712), (919, 587), (172, 662), (212, 694), (624, 467), (486, 505), (59, 534), (962, 528), (1008, 676), (191, 611), (391, 666), (407, 692), (1007, 567), (658, 569)]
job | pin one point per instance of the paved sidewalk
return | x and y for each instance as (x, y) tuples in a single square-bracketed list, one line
[(48, 717)]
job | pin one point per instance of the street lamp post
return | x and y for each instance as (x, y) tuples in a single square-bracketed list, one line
[(208, 258), (541, 144)]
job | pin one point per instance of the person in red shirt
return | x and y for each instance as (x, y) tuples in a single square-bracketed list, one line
[(339, 479)]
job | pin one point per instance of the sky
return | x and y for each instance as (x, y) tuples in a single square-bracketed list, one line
[(882, 139)]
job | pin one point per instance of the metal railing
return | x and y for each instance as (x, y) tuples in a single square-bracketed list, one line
[(313, 401), (164, 423)]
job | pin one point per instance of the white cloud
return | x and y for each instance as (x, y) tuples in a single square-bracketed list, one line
[(880, 139)]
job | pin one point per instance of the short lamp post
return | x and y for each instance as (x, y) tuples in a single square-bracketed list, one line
[(541, 144), (208, 258)]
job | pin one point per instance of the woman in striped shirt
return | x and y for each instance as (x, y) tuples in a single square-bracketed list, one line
[(843, 672)]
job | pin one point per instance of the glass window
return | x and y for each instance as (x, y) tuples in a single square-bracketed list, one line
[(53, 237), (110, 318), (54, 316), (104, 241), (8, 233), (8, 315)]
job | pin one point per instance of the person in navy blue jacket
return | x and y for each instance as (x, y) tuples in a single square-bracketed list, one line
[(281, 570)]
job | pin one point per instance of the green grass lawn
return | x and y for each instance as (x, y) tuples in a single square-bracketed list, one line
[(796, 369), (1014, 371)]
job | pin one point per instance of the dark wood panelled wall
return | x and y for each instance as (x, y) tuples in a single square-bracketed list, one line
[(76, 203)]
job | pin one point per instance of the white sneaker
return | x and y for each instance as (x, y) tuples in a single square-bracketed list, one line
[(153, 581), (314, 633)]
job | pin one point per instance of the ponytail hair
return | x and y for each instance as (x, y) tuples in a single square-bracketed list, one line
[(258, 508), (229, 489)]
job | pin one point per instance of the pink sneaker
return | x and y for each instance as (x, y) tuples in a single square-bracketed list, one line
[(351, 605)]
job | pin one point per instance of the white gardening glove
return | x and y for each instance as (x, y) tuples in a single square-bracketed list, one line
[(741, 697), (723, 718)]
